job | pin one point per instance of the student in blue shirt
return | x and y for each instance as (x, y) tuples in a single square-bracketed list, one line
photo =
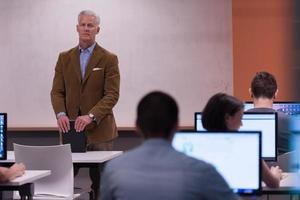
[(263, 91), (155, 170)]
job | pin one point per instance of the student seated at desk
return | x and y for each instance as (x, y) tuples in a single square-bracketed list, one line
[(155, 170), (224, 113), (263, 91), (8, 174)]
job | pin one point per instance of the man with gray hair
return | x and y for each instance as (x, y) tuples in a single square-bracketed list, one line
[(85, 89)]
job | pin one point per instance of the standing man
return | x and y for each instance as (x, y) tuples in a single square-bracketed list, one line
[(85, 89)]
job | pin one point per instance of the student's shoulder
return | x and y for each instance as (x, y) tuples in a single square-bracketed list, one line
[(203, 173), (282, 115), (261, 109), (197, 166), (193, 163), (129, 156)]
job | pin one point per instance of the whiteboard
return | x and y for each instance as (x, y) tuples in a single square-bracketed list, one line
[(182, 47)]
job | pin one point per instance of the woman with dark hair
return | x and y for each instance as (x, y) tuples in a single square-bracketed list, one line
[(224, 113)]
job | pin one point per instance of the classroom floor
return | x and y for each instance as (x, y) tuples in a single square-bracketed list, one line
[(82, 181)]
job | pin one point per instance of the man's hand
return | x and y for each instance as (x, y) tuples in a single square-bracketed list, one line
[(277, 172), (63, 123), (81, 122), (18, 169)]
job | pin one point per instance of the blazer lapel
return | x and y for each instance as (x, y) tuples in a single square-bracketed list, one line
[(94, 60), (75, 62)]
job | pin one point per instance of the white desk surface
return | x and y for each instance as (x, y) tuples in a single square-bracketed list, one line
[(29, 177), (95, 156), (290, 180), (87, 157), (290, 183)]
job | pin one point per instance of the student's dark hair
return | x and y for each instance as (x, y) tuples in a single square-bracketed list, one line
[(264, 85), (157, 115), (214, 113)]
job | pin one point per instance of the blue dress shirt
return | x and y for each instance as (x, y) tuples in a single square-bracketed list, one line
[(85, 55)]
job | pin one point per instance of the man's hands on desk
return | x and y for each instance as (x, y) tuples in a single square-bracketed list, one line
[(81, 122), (8, 174), (17, 169)]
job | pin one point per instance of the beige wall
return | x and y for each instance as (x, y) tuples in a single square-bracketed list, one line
[(181, 47)]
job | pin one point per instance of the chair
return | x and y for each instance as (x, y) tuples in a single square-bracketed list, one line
[(58, 159), (288, 161)]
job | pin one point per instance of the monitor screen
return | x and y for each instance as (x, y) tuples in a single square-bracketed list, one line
[(295, 161), (232, 154), (3, 128), (290, 108), (264, 122)]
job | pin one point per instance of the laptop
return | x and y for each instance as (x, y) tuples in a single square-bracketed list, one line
[(264, 122), (77, 140), (235, 155)]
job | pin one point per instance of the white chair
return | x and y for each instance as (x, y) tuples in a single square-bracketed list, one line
[(287, 161), (58, 159)]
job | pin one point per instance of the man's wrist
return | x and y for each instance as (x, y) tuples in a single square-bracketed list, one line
[(58, 115), (92, 117)]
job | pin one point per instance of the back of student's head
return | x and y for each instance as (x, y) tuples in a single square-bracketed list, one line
[(217, 108), (157, 115), (263, 85)]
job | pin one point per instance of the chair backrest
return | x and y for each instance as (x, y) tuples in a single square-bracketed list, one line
[(58, 159), (287, 161)]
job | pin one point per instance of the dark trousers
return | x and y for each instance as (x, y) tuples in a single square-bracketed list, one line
[(95, 171)]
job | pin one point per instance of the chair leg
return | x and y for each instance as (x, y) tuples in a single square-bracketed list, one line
[(27, 191), (94, 195)]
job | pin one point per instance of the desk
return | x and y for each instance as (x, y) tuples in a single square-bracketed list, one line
[(24, 184), (89, 157), (93, 158), (288, 185)]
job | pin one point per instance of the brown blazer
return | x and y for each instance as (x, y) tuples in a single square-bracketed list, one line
[(97, 93)]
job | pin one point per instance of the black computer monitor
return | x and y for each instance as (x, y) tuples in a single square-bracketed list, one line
[(264, 122), (236, 155), (3, 129), (290, 108)]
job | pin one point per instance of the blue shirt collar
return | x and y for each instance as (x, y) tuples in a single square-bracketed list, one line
[(89, 49)]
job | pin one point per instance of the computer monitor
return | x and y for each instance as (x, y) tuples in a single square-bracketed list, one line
[(290, 108), (296, 154), (3, 129), (287, 107), (264, 122), (235, 155), (248, 105)]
